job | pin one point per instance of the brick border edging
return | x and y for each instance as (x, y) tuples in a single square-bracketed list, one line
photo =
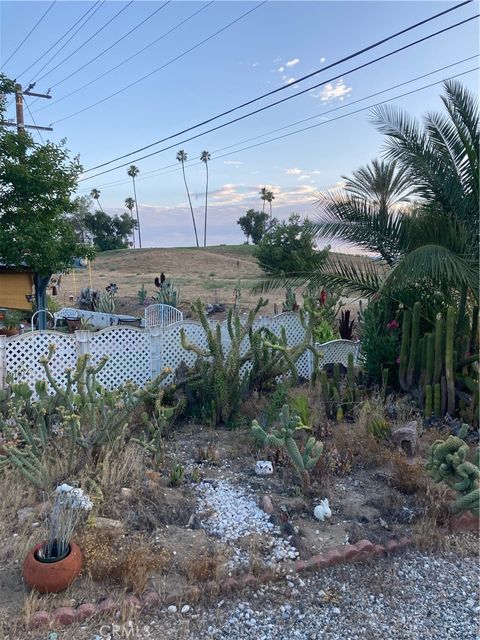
[(362, 550)]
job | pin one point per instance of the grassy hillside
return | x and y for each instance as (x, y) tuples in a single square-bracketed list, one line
[(211, 274)]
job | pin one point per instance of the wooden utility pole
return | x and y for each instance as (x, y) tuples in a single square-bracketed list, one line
[(20, 123)]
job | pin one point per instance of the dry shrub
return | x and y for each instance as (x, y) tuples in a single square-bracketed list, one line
[(208, 565), (121, 468), (407, 477), (129, 562), (365, 450)]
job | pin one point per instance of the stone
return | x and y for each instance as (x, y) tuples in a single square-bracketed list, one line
[(24, 514), (107, 606), (108, 524), (39, 620), (132, 601), (126, 492), (64, 615), (172, 609), (185, 609), (263, 468), (406, 438), (267, 505)]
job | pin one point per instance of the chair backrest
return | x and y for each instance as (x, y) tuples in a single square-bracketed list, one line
[(337, 351), (161, 315)]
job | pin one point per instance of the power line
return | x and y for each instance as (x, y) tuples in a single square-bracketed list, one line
[(33, 120), (120, 64), (50, 6), (284, 87), (59, 64), (84, 15), (125, 35), (181, 55), (259, 110), (154, 172)]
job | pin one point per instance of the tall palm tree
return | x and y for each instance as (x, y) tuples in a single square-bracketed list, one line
[(270, 198), (182, 157), (432, 243), (133, 172), (205, 157), (130, 203), (263, 196), (95, 194)]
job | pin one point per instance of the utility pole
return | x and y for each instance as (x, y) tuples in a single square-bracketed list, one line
[(20, 123)]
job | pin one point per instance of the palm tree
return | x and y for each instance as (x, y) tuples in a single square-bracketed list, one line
[(133, 172), (182, 157), (269, 197), (95, 194), (263, 196), (130, 203), (205, 157), (432, 243)]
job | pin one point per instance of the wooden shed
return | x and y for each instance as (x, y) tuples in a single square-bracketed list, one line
[(16, 288)]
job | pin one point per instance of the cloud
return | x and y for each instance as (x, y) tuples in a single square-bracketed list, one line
[(294, 171), (280, 69), (322, 59), (255, 64), (234, 162), (332, 91), (292, 63), (305, 176), (290, 80)]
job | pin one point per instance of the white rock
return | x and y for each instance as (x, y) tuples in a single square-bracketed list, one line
[(263, 468), (172, 609), (322, 510), (185, 608)]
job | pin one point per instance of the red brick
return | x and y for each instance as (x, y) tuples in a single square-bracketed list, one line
[(107, 606), (365, 546), (465, 522), (391, 546), (64, 615), (211, 588), (151, 598), (404, 542), (250, 580), (39, 620), (193, 593), (300, 565), (172, 598), (132, 601), (333, 557), (378, 550), (85, 611), (350, 552)]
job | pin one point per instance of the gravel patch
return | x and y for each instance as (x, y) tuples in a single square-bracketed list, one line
[(231, 513), (414, 596)]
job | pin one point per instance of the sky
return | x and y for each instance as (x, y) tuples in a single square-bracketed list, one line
[(272, 46)]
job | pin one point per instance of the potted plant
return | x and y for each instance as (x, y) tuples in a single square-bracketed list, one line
[(53, 564), (11, 321)]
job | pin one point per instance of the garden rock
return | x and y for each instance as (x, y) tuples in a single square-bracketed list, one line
[(263, 468), (267, 505), (108, 524), (24, 514), (406, 438)]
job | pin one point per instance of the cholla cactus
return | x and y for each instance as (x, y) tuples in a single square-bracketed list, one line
[(448, 463), (283, 438)]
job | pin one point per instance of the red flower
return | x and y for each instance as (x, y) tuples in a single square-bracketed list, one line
[(323, 297), (393, 325)]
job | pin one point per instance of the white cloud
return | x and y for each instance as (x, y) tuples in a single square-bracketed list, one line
[(333, 91), (280, 69), (293, 171), (234, 162), (255, 64), (322, 59), (292, 63), (289, 80), (305, 176)]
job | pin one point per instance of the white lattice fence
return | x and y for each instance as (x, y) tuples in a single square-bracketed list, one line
[(22, 355), (128, 351)]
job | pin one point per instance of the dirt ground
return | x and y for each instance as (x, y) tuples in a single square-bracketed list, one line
[(211, 274)]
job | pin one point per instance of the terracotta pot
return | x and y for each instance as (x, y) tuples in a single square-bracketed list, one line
[(10, 332), (51, 577)]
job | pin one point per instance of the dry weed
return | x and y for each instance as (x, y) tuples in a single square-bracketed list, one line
[(206, 566), (407, 476), (366, 451)]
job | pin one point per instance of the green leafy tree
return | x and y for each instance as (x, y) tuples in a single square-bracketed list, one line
[(36, 185), (182, 157), (288, 249), (254, 225), (109, 232)]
